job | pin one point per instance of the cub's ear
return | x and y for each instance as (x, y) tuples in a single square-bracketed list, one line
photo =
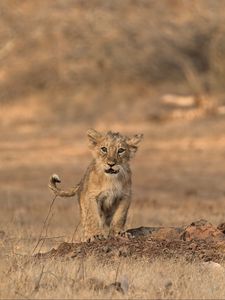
[(93, 136), (133, 142)]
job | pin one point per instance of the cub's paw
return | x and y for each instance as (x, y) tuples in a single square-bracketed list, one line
[(124, 234)]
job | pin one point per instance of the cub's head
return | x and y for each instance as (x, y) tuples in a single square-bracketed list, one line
[(112, 151)]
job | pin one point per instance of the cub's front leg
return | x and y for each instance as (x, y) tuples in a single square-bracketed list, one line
[(104, 212), (120, 216), (90, 218)]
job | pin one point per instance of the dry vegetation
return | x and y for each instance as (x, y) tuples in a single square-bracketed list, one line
[(69, 65), (138, 279)]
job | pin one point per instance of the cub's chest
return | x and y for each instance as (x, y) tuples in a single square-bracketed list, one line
[(110, 194)]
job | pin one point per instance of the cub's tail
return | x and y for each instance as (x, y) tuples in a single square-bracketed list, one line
[(54, 179)]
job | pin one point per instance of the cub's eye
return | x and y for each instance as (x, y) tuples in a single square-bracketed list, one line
[(121, 150), (104, 150)]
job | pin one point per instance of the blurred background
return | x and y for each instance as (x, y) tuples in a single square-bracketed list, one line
[(149, 66)]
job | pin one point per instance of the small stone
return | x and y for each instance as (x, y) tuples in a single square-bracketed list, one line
[(213, 266), (2, 234), (106, 249), (114, 287), (193, 246), (168, 283), (124, 283)]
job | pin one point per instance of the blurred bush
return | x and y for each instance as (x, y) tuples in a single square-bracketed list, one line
[(68, 50)]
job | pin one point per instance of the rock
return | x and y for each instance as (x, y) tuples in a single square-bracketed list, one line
[(213, 266), (202, 230), (156, 232)]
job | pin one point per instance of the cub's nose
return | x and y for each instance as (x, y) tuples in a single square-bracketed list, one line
[(111, 164)]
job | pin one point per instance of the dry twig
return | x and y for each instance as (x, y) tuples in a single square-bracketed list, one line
[(44, 225)]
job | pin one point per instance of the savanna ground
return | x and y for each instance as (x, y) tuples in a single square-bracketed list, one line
[(70, 65)]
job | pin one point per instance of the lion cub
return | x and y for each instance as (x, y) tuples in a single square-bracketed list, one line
[(104, 193)]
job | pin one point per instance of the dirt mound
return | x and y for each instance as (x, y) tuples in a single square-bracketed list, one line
[(200, 240)]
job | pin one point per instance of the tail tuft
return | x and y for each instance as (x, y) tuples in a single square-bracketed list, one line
[(55, 178)]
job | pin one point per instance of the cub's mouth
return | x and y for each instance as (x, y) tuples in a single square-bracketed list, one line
[(111, 171)]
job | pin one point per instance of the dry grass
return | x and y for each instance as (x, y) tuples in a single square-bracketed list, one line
[(23, 277)]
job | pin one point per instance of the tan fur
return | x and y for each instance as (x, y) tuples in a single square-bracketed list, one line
[(104, 193)]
